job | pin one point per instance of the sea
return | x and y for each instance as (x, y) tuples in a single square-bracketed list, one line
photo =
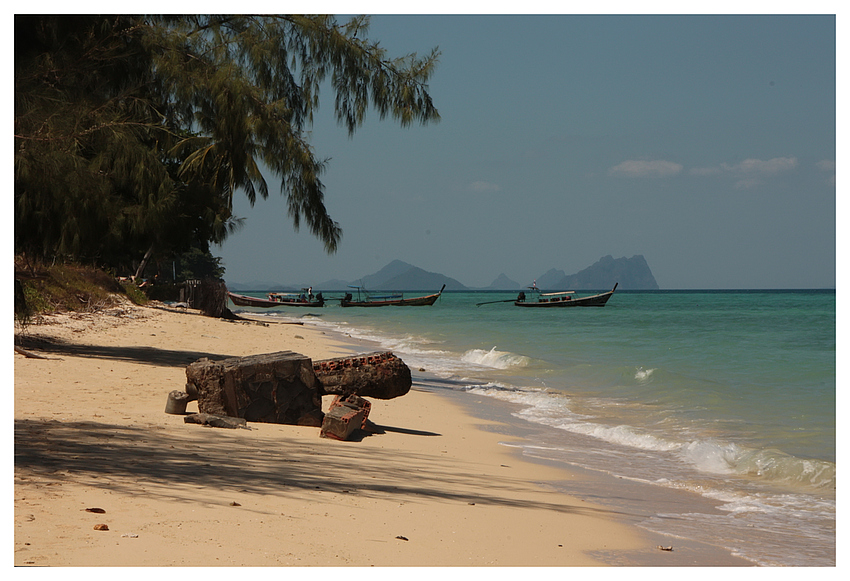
[(726, 398)]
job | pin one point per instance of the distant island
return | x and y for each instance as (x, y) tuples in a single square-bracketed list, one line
[(631, 273)]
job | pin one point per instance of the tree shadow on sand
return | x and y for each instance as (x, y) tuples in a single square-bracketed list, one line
[(130, 458), (142, 354)]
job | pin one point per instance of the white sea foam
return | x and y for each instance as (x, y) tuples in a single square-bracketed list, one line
[(710, 456), (622, 434), (643, 375), (771, 465), (495, 359), (553, 409), (545, 403), (705, 455)]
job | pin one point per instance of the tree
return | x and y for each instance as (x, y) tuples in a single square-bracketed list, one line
[(197, 263), (132, 133)]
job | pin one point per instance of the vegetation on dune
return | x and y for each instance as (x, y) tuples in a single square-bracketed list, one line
[(41, 289)]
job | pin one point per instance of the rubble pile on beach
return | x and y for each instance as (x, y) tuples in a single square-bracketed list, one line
[(286, 388)]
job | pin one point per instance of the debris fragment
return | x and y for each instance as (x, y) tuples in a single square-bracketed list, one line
[(176, 403), (402, 538), (380, 375), (345, 415), (278, 388), (216, 421), (97, 510), (101, 527), (660, 548)]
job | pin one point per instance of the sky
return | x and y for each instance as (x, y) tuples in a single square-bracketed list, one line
[(705, 143)]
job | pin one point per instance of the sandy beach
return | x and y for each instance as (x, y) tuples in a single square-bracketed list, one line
[(434, 489)]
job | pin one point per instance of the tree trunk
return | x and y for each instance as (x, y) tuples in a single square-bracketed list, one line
[(143, 264)]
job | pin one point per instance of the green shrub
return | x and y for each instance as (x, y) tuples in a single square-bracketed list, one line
[(134, 293)]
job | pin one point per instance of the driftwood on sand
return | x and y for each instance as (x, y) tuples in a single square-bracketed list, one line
[(30, 354), (216, 421)]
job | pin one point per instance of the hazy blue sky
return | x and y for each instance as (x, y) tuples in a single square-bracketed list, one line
[(704, 143)]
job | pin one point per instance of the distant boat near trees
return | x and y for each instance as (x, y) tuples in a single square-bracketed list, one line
[(303, 299)]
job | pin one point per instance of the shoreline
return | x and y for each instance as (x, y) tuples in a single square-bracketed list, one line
[(435, 489), (630, 501)]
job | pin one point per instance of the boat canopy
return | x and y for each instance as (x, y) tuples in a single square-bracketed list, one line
[(536, 289), (374, 297)]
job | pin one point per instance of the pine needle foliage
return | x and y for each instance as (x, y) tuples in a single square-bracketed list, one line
[(134, 132)]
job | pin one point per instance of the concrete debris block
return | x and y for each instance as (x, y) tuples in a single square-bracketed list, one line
[(345, 415), (176, 403), (379, 375), (279, 388)]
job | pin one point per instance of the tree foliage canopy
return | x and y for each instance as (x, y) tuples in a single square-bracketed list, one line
[(134, 132)]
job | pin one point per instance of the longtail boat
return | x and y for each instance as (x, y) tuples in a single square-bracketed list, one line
[(562, 299), (393, 300), (303, 299), (556, 299)]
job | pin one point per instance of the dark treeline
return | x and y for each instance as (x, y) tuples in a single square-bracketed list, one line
[(132, 133)]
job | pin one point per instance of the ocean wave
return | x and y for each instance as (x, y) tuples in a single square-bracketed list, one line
[(495, 359), (622, 434), (546, 403), (643, 375), (553, 409), (766, 464), (706, 455), (413, 346)]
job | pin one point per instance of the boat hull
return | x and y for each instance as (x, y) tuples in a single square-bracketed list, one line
[(412, 302), (246, 301), (590, 301), (417, 302)]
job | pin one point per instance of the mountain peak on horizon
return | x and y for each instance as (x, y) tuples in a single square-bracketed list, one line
[(502, 282), (631, 274), (400, 276)]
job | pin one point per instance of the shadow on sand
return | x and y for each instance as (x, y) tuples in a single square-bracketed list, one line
[(131, 458)]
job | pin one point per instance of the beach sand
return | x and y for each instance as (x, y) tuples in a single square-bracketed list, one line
[(434, 489)]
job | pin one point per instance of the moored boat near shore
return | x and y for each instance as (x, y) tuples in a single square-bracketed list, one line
[(303, 299), (395, 300)]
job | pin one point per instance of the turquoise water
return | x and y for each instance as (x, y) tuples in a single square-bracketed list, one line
[(729, 395)]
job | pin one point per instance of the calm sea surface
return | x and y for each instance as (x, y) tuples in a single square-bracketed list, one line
[(727, 394)]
